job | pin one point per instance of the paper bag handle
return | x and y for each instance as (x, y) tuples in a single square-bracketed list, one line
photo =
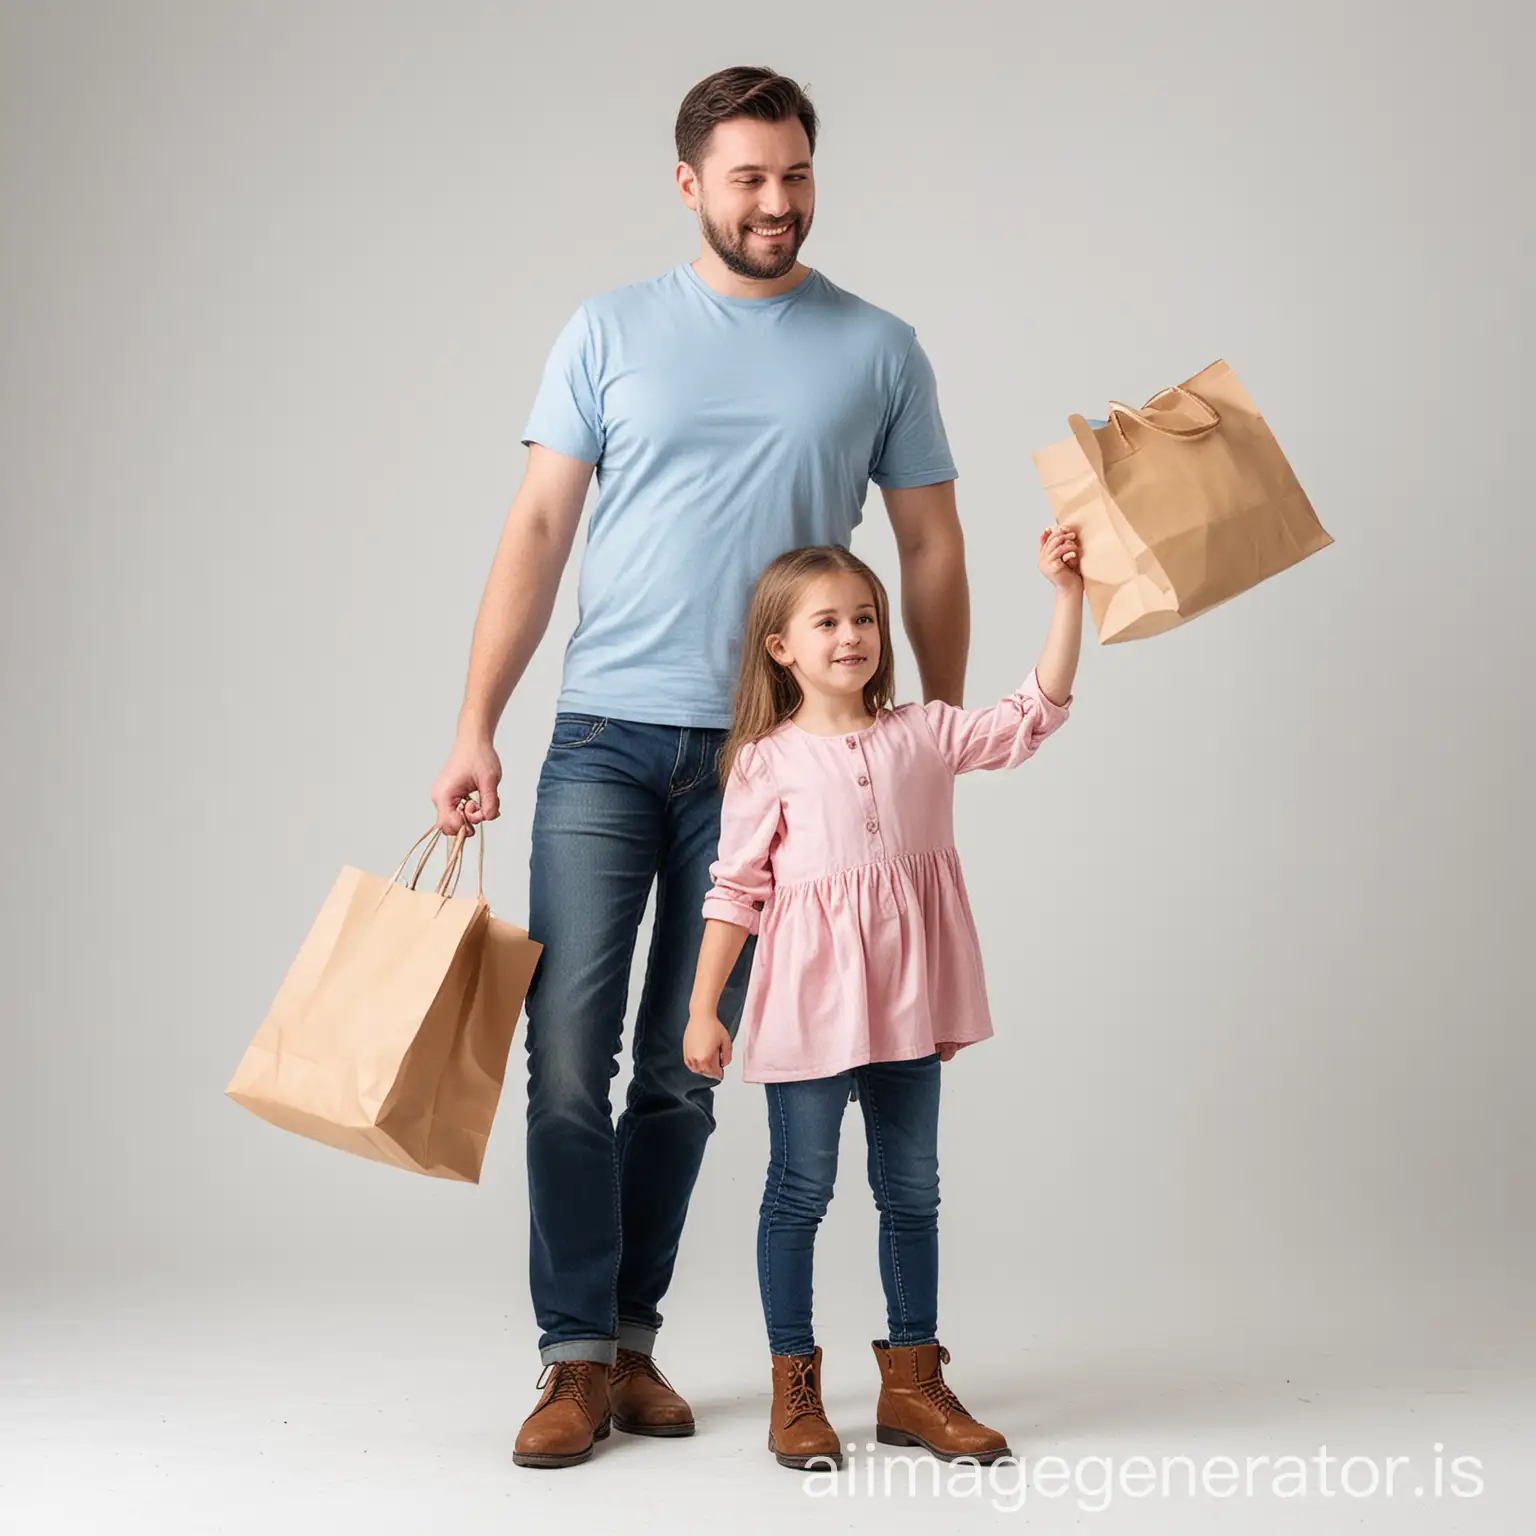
[(450, 880), (455, 861), (431, 833), (1199, 429)]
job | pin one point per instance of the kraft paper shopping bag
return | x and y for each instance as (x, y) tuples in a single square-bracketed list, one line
[(390, 1033), (1178, 506)]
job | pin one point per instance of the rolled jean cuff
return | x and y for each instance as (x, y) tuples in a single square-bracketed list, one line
[(600, 1351), (794, 1347), (637, 1336), (931, 1338)]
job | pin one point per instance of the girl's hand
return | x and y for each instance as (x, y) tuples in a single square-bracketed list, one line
[(706, 1046), (1059, 559), (947, 1052)]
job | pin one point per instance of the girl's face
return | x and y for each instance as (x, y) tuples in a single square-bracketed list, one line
[(832, 641)]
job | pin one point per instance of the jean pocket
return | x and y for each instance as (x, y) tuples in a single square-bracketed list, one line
[(575, 731)]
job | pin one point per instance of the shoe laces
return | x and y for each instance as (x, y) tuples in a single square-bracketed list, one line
[(938, 1391), (631, 1362), (569, 1380), (802, 1395)]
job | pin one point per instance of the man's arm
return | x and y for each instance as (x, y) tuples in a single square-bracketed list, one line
[(514, 613), (935, 596)]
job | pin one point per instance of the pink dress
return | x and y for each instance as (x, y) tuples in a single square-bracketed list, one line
[(867, 950)]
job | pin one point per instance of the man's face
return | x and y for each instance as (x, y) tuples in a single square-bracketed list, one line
[(754, 194)]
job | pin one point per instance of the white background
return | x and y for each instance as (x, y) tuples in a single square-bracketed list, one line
[(276, 285)]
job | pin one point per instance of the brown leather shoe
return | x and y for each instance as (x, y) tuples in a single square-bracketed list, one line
[(643, 1401), (798, 1431), (570, 1418), (916, 1406)]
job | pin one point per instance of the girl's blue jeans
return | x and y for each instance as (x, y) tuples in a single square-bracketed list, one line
[(900, 1101)]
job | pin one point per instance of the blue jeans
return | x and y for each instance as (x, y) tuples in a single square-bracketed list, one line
[(900, 1100), (620, 805)]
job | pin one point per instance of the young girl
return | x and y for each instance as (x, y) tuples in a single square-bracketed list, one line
[(837, 849)]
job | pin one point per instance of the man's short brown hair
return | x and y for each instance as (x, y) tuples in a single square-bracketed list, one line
[(740, 92)]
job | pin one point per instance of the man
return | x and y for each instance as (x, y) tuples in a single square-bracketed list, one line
[(733, 408)]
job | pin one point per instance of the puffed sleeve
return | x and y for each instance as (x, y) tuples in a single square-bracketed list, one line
[(749, 829), (1001, 735)]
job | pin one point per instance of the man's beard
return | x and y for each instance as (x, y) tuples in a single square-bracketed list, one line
[(731, 246)]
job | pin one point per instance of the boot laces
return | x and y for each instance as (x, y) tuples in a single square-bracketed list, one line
[(569, 1380), (938, 1391), (632, 1361), (802, 1395)]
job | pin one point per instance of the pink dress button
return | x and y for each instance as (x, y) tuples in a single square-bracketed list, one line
[(872, 825), (851, 742), (863, 778)]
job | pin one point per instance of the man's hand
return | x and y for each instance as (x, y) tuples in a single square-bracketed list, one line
[(706, 1046), (472, 766)]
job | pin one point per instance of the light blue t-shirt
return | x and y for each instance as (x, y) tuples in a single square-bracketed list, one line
[(725, 431)]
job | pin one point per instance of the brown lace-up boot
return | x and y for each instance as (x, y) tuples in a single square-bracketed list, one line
[(916, 1406), (798, 1431), (570, 1418), (643, 1401)]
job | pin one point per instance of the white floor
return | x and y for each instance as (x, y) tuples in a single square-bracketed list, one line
[(277, 1412)]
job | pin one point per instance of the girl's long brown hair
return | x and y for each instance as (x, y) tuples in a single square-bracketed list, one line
[(767, 694)]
